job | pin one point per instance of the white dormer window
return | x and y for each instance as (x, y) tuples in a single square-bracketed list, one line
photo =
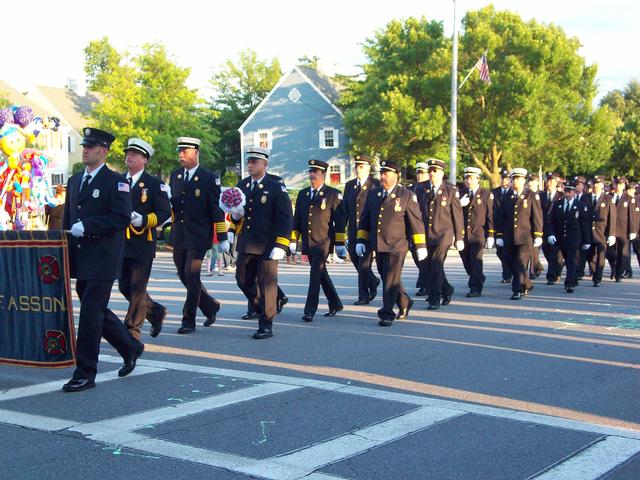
[(263, 139), (329, 138), (294, 95)]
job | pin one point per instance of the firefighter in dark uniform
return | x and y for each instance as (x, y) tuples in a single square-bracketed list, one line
[(392, 214), (518, 224), (318, 226), (477, 211), (422, 178), (442, 213), (535, 266), (195, 193), (602, 213), (97, 210), (626, 229), (499, 193), (150, 207), (263, 232), (552, 253), (353, 204), (635, 227), (569, 229), (582, 197)]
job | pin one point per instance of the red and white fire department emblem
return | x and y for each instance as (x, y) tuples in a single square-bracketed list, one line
[(55, 342), (49, 269)]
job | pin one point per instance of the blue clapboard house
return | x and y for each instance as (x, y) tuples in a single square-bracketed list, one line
[(299, 120)]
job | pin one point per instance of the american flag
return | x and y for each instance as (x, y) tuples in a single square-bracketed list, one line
[(483, 67)]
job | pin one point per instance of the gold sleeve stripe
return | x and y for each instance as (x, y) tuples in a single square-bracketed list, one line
[(295, 235), (363, 234), (491, 230), (537, 234), (152, 220), (341, 237), (221, 227), (283, 241), (419, 238)]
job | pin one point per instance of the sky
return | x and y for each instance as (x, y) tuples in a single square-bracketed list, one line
[(47, 38)]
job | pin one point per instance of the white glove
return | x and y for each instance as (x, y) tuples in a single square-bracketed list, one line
[(464, 201), (224, 246), (292, 248), (611, 240), (136, 219), (277, 254), (238, 215), (360, 249), (537, 241), (586, 246), (460, 245), (77, 229), (551, 239), (231, 237), (491, 242), (421, 253), (341, 251), (632, 236), (499, 242)]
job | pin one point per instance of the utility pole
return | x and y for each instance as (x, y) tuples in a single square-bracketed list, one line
[(453, 144)]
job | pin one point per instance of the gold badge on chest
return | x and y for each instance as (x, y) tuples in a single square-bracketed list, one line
[(323, 205), (263, 199), (397, 208), (197, 192), (144, 196)]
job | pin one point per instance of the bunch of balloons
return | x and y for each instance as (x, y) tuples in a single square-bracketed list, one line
[(24, 186)]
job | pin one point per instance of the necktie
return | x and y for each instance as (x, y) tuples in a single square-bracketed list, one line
[(384, 195), (254, 184), (566, 207), (549, 197), (470, 194), (615, 199), (130, 180), (359, 187), (186, 176), (85, 183)]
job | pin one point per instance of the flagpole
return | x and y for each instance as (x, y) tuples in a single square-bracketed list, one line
[(453, 148)]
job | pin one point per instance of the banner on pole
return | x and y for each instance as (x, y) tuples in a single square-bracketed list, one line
[(36, 309)]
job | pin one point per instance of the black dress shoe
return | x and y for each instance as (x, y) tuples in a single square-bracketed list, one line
[(404, 312), (618, 280), (209, 321), (374, 293), (473, 294), (505, 280), (446, 300), (156, 327), (307, 317), (385, 323), (551, 282), (280, 303), (185, 330), (250, 315), (361, 302), (569, 289), (332, 311), (422, 292), (262, 334), (516, 296), (433, 306), (596, 284), (130, 363), (78, 385)]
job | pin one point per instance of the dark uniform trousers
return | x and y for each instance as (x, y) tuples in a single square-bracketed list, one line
[(353, 204), (597, 257), (497, 202), (195, 215), (438, 285), (104, 207), (473, 264), (133, 285), (570, 255), (518, 257), (319, 277), (552, 253), (390, 269), (257, 277)]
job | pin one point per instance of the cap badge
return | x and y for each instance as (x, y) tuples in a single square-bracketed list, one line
[(87, 131)]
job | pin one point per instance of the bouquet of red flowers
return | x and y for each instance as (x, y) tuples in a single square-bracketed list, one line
[(232, 201)]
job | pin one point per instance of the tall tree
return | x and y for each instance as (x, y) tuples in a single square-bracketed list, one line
[(146, 96), (625, 104), (238, 89)]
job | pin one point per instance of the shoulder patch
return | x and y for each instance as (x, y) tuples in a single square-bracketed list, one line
[(284, 189), (164, 187), (123, 186)]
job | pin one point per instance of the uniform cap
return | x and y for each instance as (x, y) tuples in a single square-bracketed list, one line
[(569, 186), (361, 158), (518, 172), (422, 166), (389, 166), (533, 176), (598, 179), (555, 175), (504, 173), (579, 179), (257, 152), (437, 163), (93, 137), (188, 142), (621, 179), (318, 164), (472, 171), (139, 145)]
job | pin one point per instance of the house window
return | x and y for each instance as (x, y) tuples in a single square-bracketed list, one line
[(71, 144), (263, 139), (57, 179), (328, 138)]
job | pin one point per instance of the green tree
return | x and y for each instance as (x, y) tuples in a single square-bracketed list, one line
[(238, 89), (625, 105), (146, 96)]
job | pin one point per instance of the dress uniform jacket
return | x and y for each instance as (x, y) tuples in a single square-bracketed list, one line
[(520, 218), (478, 216), (386, 221), (354, 203), (104, 208), (603, 218), (547, 205), (625, 215), (319, 223), (571, 228), (149, 198), (442, 213), (195, 210), (267, 220)]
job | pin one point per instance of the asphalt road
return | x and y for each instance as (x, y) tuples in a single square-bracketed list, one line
[(488, 388)]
